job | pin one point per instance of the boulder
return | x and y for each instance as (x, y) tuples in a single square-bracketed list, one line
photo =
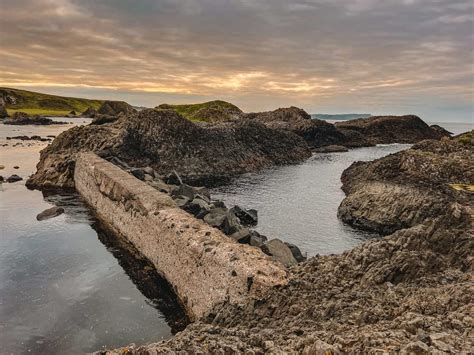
[(197, 206), (14, 178), (296, 252), (257, 239), (223, 219), (241, 236), (246, 217), (138, 173), (50, 213), (110, 111), (184, 190), (279, 251), (1, 178)]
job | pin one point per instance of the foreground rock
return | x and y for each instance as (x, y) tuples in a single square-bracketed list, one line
[(14, 178), (392, 129), (167, 142), (22, 118), (409, 292), (50, 213)]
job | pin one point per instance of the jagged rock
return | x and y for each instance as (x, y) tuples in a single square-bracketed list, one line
[(296, 252), (14, 178), (279, 251), (241, 236), (167, 142), (138, 173), (246, 217), (257, 239), (184, 190), (50, 213), (197, 206)]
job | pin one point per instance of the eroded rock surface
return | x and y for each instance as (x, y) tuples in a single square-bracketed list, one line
[(168, 142)]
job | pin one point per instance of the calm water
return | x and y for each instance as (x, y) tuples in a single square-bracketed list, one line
[(299, 203), (62, 290), (66, 288)]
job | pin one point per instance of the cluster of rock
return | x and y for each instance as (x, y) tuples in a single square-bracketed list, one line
[(22, 118), (109, 111), (409, 292), (168, 142), (11, 178), (234, 222)]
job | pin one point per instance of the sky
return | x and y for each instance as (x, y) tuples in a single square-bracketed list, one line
[(326, 56)]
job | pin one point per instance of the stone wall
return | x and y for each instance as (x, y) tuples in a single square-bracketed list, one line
[(204, 266)]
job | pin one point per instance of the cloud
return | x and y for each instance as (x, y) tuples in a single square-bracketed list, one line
[(261, 54)]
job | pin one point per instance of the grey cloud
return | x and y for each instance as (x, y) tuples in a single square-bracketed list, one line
[(317, 53)]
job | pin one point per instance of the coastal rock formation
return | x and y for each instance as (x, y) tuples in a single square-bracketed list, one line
[(168, 142), (391, 129), (403, 189), (410, 292), (89, 113), (316, 133)]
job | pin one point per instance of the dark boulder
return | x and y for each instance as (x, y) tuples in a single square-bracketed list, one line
[(138, 173), (257, 239), (50, 213), (110, 111), (246, 217), (296, 252), (241, 236), (14, 178)]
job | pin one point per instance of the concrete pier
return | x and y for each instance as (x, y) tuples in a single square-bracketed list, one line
[(204, 266)]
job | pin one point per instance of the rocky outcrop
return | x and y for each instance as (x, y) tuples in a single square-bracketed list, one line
[(409, 292), (22, 118), (316, 133), (3, 108), (110, 111), (168, 142), (391, 129), (89, 113), (403, 189)]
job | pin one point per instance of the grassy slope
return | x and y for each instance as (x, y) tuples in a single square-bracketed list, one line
[(191, 111), (44, 104)]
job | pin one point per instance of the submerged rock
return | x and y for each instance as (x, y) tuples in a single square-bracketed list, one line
[(50, 213)]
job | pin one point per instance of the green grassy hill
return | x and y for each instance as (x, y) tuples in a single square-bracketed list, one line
[(35, 103), (212, 111)]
